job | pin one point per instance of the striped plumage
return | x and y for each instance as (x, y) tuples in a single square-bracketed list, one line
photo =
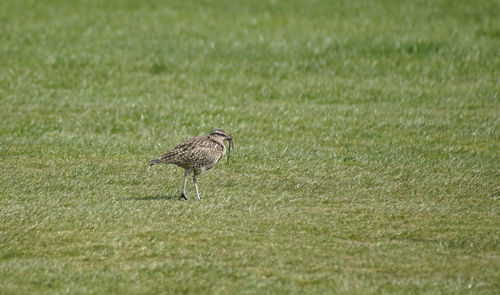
[(197, 155)]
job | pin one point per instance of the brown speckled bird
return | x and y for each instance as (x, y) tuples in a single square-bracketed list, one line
[(197, 154)]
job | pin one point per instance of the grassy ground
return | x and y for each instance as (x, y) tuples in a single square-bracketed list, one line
[(367, 139)]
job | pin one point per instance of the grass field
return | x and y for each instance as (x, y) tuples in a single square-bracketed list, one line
[(367, 138)]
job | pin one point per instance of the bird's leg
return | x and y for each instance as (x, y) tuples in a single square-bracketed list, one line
[(183, 194), (196, 186)]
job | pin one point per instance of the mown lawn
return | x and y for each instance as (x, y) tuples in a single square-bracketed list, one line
[(367, 139)]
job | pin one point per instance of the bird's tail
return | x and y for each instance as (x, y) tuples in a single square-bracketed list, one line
[(154, 162), (168, 158)]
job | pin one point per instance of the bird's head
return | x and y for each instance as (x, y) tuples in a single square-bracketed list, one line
[(222, 135)]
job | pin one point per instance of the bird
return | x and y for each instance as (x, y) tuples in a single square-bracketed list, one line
[(197, 155)]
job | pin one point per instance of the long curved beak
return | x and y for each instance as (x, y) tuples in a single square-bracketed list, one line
[(231, 147)]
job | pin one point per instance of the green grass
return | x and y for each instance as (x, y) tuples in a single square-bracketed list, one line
[(367, 139)]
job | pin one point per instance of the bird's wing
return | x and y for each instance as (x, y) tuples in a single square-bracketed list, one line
[(196, 150), (208, 151)]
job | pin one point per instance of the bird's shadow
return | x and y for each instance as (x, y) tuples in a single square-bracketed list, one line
[(155, 197)]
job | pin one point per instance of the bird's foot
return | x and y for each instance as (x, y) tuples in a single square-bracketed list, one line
[(183, 196)]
